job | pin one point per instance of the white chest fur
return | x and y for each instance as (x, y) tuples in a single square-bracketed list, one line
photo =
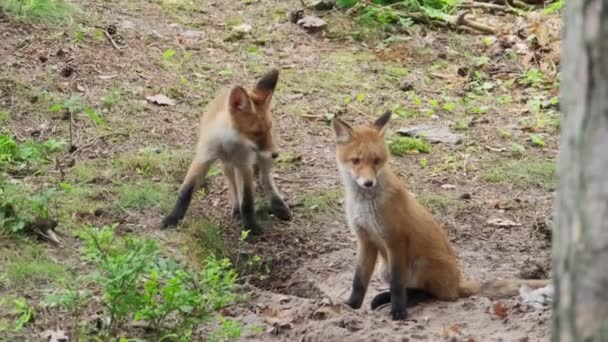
[(362, 208), (362, 214)]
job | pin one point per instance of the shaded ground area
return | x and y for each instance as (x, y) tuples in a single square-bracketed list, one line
[(498, 92)]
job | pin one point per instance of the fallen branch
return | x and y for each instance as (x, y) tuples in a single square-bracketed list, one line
[(107, 34), (511, 3), (360, 111), (460, 20), (490, 6), (95, 140)]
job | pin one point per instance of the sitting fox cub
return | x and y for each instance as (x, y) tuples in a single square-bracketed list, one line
[(417, 259), (236, 129)]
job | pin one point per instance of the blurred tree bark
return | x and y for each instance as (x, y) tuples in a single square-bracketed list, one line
[(580, 237)]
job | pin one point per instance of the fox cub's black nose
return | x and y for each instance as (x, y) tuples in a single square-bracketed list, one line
[(368, 184), (275, 155)]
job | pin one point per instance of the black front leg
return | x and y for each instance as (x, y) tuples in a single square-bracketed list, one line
[(398, 294), (358, 291), (180, 208), (248, 212)]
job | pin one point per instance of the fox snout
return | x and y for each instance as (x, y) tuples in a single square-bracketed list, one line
[(268, 149), (365, 178), (366, 182)]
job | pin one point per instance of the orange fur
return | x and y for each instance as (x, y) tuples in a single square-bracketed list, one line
[(236, 128), (389, 222)]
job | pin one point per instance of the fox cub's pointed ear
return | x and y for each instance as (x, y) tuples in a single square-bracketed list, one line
[(262, 93), (238, 99), (342, 131), (381, 122)]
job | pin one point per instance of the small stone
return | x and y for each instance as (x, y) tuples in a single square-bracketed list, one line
[(406, 85), (43, 58), (295, 16), (463, 71), (533, 271), (111, 30), (192, 34), (67, 70), (324, 5), (312, 23), (243, 28)]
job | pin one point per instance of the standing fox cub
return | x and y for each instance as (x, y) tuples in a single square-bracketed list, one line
[(417, 259), (236, 129)]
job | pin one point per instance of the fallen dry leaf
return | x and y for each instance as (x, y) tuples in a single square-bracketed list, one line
[(500, 310), (243, 28), (502, 222), (278, 318), (55, 336), (312, 23), (451, 331), (160, 100)]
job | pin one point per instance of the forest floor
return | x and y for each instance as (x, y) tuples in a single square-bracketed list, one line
[(493, 192)]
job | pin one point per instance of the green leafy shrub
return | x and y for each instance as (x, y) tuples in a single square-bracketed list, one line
[(140, 284), (383, 13), (19, 209), (16, 157)]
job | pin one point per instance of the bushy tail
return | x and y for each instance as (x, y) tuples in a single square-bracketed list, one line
[(494, 289)]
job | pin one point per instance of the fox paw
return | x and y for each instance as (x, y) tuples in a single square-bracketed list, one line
[(399, 314), (169, 221), (236, 212), (279, 209)]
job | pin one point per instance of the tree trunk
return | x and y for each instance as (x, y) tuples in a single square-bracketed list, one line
[(580, 243)]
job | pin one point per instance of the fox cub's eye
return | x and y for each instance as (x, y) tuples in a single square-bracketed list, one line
[(356, 161), (376, 161)]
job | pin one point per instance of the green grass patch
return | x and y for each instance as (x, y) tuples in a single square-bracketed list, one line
[(321, 201), (83, 198), (207, 239), (336, 83), (436, 202), (150, 162), (350, 58), (27, 264), (400, 146), (524, 173), (19, 208), (48, 11), (86, 171), (143, 195)]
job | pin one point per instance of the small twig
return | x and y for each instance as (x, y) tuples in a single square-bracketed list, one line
[(460, 20), (107, 34), (60, 169), (71, 118), (490, 6), (56, 241), (511, 3), (94, 141), (311, 116), (289, 180), (494, 149), (359, 111)]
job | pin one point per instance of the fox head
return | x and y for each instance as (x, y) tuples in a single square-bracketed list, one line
[(250, 112), (362, 152)]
